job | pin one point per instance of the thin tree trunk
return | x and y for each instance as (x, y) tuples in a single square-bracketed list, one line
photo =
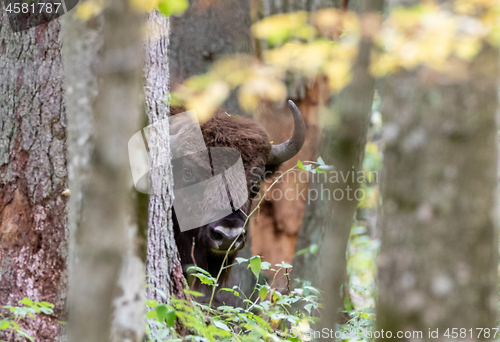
[(80, 45), (164, 269), (33, 174), (106, 294), (330, 216), (275, 230), (439, 254)]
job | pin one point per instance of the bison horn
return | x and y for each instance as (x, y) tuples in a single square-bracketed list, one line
[(285, 151)]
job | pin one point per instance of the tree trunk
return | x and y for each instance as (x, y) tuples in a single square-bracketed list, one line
[(207, 31), (164, 269), (329, 216), (80, 45), (439, 254), (33, 174), (106, 293), (276, 228)]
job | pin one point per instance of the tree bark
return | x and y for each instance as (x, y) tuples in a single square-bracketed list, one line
[(439, 254), (164, 268), (107, 288), (33, 174)]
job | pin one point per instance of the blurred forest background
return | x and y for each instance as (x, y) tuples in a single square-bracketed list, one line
[(400, 100)]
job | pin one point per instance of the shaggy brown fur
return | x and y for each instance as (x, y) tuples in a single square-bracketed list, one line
[(252, 141), (242, 134)]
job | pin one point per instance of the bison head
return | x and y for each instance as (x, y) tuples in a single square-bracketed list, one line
[(255, 154)]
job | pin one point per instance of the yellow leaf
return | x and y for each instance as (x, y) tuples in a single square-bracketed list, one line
[(303, 329), (383, 64), (409, 55), (338, 73), (89, 9), (328, 21), (207, 101), (144, 5), (351, 22), (280, 27), (260, 88), (467, 48), (371, 148)]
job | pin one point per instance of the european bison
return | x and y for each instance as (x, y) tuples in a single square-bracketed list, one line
[(249, 138)]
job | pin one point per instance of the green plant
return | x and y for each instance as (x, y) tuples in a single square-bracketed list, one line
[(9, 325), (268, 314), (205, 277)]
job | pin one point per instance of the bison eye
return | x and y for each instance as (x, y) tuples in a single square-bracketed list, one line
[(187, 174), (255, 188)]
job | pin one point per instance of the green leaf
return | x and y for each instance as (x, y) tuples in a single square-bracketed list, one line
[(240, 260), (192, 269), (311, 289), (193, 293), (170, 318), (221, 325), (161, 293), (173, 7), (47, 311), (4, 324), (46, 304), (151, 303), (204, 279), (313, 248), (263, 292), (151, 314), (265, 265), (300, 165), (255, 263), (161, 311), (226, 308), (302, 251), (347, 304), (26, 301)]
